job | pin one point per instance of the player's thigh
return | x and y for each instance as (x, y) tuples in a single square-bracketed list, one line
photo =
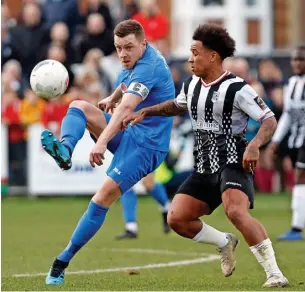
[(186, 208), (149, 181), (237, 189), (203, 188), (132, 162), (96, 129)]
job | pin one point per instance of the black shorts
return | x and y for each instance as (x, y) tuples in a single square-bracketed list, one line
[(209, 187), (300, 161)]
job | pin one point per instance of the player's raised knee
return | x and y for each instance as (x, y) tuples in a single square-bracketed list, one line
[(81, 104)]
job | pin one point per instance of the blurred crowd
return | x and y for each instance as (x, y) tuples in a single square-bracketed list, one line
[(78, 33)]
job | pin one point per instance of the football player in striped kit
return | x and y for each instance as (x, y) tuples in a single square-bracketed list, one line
[(293, 121), (219, 105)]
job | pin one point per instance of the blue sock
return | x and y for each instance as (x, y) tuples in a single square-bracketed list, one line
[(73, 127), (86, 228), (129, 203), (159, 194)]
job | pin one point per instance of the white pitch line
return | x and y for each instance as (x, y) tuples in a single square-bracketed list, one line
[(155, 251), (150, 266)]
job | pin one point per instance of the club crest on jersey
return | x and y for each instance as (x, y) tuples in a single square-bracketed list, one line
[(215, 96)]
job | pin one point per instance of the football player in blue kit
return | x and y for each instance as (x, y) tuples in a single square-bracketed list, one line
[(138, 150)]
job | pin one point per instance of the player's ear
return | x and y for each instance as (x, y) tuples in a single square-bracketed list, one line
[(213, 56)]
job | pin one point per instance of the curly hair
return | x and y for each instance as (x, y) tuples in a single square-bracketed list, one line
[(215, 38)]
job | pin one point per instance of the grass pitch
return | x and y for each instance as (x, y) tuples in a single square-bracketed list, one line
[(35, 231)]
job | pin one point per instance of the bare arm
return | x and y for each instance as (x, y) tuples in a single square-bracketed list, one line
[(265, 132), (167, 108), (128, 104)]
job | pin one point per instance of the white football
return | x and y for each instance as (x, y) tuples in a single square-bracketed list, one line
[(49, 79)]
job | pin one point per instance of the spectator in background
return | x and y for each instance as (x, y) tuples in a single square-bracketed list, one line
[(130, 9), (155, 25), (271, 77), (13, 71), (93, 59), (101, 7), (66, 11), (28, 39), (17, 149), (31, 108), (96, 36), (112, 66), (95, 93), (7, 50), (6, 17), (60, 37), (85, 78)]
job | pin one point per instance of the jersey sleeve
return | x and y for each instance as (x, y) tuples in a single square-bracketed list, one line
[(283, 125), (252, 104), (142, 80), (181, 100)]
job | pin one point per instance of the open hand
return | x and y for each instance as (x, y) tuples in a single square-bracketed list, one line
[(97, 155)]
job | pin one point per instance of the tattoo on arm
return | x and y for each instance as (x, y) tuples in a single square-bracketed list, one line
[(167, 108), (265, 132)]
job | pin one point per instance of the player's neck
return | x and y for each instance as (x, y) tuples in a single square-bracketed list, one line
[(213, 74)]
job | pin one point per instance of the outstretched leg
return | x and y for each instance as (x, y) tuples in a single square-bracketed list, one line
[(80, 115), (87, 227)]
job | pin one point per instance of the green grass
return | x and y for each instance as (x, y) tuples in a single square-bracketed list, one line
[(35, 231)]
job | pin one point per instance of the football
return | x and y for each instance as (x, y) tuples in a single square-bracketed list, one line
[(49, 79)]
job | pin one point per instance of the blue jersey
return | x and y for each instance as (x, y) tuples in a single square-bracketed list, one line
[(151, 79)]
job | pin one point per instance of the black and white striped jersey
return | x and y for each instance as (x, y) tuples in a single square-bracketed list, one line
[(293, 117), (219, 114)]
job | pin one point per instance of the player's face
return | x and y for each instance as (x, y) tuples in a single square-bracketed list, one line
[(201, 59), (298, 62), (129, 49)]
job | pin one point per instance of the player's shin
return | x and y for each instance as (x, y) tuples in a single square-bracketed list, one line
[(265, 255), (209, 234), (226, 245), (87, 227), (73, 127), (129, 204), (160, 195), (298, 207)]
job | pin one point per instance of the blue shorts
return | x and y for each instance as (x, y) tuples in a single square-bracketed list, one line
[(131, 162)]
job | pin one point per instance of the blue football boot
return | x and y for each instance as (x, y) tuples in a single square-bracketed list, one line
[(58, 151), (57, 273), (291, 236)]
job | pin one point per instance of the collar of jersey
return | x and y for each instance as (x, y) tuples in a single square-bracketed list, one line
[(226, 73)]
